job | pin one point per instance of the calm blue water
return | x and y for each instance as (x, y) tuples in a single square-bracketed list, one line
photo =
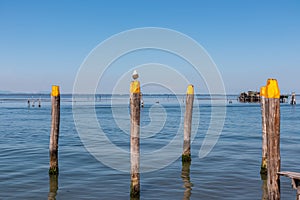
[(229, 171)]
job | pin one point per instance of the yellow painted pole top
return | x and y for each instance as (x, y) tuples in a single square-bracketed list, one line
[(190, 89), (55, 91), (135, 87), (272, 89), (263, 91)]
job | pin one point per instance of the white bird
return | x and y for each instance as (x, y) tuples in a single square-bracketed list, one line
[(135, 75)]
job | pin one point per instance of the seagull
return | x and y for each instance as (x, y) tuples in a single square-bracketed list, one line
[(135, 75)]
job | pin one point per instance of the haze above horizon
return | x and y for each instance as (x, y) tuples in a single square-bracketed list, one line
[(44, 43)]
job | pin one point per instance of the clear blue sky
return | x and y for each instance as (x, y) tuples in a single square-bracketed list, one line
[(44, 42)]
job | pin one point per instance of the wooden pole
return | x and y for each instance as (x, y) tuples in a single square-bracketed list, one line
[(293, 101), (135, 99), (186, 154), (273, 138), (263, 168), (54, 135)]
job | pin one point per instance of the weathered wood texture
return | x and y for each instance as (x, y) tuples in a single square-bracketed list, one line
[(186, 154), (264, 160), (273, 147), (54, 135), (135, 100)]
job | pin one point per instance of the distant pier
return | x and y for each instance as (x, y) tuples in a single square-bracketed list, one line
[(254, 97)]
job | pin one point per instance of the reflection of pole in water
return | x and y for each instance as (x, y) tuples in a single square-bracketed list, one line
[(264, 187), (135, 198), (53, 187), (185, 175), (265, 190), (33, 101)]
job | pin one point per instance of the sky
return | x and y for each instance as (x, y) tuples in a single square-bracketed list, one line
[(46, 42)]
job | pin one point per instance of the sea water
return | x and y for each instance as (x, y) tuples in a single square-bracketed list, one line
[(229, 171)]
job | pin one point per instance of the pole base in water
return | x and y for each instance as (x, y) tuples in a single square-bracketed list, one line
[(53, 171), (186, 158), (263, 171), (263, 168), (134, 191)]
